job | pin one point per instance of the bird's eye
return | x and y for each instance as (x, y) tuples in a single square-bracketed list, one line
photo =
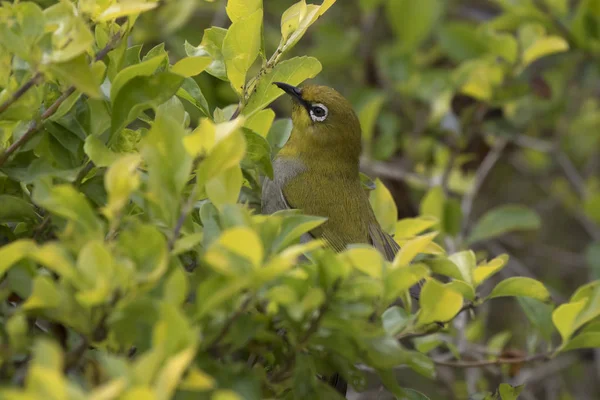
[(318, 112)]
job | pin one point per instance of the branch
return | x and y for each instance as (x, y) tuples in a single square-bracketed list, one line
[(37, 125), (480, 176), (394, 172), (497, 361), (20, 92), (229, 323)]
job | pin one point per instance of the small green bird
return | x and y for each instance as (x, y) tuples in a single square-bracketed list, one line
[(317, 171)]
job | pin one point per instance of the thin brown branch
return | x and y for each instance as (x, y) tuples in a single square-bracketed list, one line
[(20, 92), (37, 125), (497, 361), (481, 175)]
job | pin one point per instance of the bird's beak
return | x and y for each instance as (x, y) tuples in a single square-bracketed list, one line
[(293, 91)]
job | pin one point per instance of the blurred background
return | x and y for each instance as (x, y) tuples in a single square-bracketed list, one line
[(496, 102)]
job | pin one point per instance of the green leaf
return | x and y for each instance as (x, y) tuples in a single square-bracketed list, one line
[(225, 187), (121, 180), (394, 320), (502, 220), (241, 241), (412, 248), (238, 9), (140, 93), (438, 303), (241, 47), (258, 153), (432, 204), (564, 318), (67, 202), (97, 151), (14, 252), (45, 294), (542, 47), (585, 340), (169, 166), (290, 19), (176, 288), (413, 21), (191, 92), (384, 207), (118, 10), (95, 265), (15, 209), (261, 122), (313, 12), (520, 286), (488, 269), (407, 228), (211, 45), (146, 68), (279, 133), (147, 248), (368, 115), (365, 259), (539, 314), (293, 227), (398, 281), (72, 40), (293, 71), (191, 66), (507, 392), (77, 72)]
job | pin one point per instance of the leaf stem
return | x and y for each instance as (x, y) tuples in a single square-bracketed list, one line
[(20, 92)]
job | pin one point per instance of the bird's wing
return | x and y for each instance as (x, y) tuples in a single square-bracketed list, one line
[(273, 199), (383, 242)]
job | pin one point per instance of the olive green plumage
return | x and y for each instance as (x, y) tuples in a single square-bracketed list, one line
[(317, 171)]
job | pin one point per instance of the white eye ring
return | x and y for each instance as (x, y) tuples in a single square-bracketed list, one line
[(324, 112)]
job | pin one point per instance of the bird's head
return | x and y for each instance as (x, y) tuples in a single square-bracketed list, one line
[(323, 119)]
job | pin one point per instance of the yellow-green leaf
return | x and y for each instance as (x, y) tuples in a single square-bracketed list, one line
[(564, 318), (14, 252), (410, 227), (290, 20), (123, 9), (438, 303), (293, 71), (224, 188), (486, 270), (384, 207), (365, 259), (191, 66), (520, 286), (543, 47), (411, 248), (244, 242), (261, 122), (241, 47), (239, 9)]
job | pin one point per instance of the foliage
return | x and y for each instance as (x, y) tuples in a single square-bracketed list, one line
[(134, 262)]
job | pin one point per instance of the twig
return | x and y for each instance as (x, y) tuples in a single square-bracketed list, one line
[(498, 361), (20, 92), (480, 176), (573, 176), (229, 323), (394, 172), (185, 210), (37, 125)]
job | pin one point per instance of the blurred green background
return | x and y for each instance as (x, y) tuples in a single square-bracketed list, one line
[(496, 101)]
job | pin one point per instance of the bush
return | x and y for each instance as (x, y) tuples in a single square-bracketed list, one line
[(135, 263)]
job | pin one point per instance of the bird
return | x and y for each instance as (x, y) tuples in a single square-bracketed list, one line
[(317, 172)]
